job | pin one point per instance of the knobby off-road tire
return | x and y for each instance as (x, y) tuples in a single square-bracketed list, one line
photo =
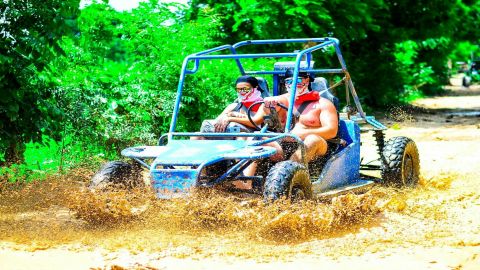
[(288, 179), (466, 81), (400, 163), (117, 173)]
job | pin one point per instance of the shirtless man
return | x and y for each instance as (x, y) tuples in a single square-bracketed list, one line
[(317, 119)]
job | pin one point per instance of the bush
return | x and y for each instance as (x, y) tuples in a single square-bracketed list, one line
[(118, 83)]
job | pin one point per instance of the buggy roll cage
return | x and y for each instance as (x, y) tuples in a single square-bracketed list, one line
[(298, 55)]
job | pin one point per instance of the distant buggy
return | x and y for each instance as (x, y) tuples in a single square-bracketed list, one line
[(472, 74)]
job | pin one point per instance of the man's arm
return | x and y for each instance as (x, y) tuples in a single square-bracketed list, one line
[(257, 118), (273, 101), (222, 121), (228, 109), (328, 121)]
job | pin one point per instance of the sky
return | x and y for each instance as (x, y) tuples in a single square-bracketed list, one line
[(122, 5)]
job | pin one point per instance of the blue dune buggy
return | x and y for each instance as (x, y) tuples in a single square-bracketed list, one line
[(178, 165)]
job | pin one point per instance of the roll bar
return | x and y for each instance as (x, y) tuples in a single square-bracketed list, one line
[(231, 51)]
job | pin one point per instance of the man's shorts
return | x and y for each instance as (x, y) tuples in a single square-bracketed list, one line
[(208, 126)]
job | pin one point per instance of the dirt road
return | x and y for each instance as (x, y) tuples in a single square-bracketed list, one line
[(434, 226)]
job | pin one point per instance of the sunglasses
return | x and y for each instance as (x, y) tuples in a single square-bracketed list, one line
[(244, 90), (290, 80)]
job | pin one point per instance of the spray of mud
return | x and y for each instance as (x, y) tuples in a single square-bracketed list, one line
[(401, 113), (213, 211), (61, 211), (102, 208)]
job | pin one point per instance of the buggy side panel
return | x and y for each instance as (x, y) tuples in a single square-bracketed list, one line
[(343, 167)]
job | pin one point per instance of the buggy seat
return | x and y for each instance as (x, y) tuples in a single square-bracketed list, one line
[(263, 87), (321, 85)]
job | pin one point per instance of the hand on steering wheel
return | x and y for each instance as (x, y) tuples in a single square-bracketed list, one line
[(272, 117)]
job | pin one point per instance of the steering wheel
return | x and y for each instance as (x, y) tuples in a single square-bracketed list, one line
[(271, 119)]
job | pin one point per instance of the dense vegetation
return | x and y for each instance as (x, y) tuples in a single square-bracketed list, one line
[(91, 81)]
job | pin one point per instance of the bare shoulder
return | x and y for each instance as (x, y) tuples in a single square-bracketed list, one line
[(328, 114), (325, 104)]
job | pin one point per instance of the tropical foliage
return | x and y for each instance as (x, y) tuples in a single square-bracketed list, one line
[(30, 33), (96, 79)]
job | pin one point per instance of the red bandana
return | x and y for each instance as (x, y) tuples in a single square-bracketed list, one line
[(247, 104), (310, 96)]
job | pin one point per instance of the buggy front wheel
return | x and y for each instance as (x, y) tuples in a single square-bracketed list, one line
[(288, 179), (118, 173)]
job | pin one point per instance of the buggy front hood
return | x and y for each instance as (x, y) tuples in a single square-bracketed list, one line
[(196, 152)]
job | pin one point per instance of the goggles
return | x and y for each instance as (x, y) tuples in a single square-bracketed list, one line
[(244, 90), (290, 80)]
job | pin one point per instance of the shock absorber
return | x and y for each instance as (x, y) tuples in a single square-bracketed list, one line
[(380, 140)]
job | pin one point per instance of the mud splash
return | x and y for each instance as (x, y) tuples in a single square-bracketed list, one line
[(204, 211), (61, 211), (104, 208), (401, 113)]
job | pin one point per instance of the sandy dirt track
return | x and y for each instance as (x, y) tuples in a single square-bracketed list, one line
[(434, 226)]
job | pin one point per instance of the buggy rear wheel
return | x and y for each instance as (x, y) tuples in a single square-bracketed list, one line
[(288, 179), (400, 162), (117, 173)]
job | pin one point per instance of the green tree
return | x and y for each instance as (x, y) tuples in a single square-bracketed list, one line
[(118, 81), (248, 19), (371, 32), (31, 31), (468, 28)]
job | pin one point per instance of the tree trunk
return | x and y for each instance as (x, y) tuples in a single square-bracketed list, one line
[(14, 154)]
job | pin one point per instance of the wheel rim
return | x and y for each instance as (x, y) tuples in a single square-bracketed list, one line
[(407, 170)]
